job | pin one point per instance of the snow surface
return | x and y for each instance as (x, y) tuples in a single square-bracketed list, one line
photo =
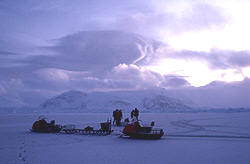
[(18, 145)]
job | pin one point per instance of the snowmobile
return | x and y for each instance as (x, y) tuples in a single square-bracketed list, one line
[(42, 126), (135, 130)]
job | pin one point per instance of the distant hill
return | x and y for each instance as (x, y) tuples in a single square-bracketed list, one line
[(145, 100)]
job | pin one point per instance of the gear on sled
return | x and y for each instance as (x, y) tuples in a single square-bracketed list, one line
[(105, 129)]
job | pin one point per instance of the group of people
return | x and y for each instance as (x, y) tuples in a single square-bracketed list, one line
[(134, 114), (117, 115)]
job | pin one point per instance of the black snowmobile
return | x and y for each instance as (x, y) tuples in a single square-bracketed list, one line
[(42, 126)]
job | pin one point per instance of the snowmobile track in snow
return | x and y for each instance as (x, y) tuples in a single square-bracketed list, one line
[(209, 136), (186, 124)]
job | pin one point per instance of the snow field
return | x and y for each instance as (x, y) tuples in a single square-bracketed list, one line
[(18, 145)]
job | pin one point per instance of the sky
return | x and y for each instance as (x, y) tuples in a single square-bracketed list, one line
[(48, 47)]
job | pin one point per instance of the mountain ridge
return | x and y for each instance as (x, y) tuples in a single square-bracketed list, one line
[(146, 100)]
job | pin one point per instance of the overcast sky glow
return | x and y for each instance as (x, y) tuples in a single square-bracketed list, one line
[(201, 41)]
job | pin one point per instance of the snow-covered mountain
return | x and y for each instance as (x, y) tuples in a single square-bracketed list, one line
[(71, 99), (145, 100)]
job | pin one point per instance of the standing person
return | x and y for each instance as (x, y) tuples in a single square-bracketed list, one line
[(136, 113), (119, 117), (121, 113), (132, 114), (114, 112), (116, 117)]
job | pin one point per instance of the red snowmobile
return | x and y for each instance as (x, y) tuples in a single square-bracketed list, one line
[(135, 130)]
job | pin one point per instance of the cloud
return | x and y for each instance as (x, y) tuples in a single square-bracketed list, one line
[(175, 82), (216, 58), (121, 77), (10, 84), (200, 68), (93, 51), (240, 59), (32, 61), (115, 60), (59, 74), (106, 60), (79, 61), (194, 16), (141, 78), (7, 53), (59, 80), (199, 15), (135, 75)]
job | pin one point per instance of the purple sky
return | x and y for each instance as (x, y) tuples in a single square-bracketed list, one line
[(47, 47)]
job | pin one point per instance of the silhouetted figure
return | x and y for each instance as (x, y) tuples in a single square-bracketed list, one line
[(52, 122), (136, 113), (120, 113), (132, 114), (118, 117), (117, 114), (114, 113), (126, 121)]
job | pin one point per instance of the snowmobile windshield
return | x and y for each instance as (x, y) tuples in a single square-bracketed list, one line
[(42, 118)]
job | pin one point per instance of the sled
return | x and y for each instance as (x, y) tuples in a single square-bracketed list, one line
[(87, 132), (105, 130)]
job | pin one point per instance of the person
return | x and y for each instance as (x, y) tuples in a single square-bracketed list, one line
[(119, 117), (114, 113), (126, 121), (136, 113), (52, 123), (132, 114), (116, 116), (120, 113)]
